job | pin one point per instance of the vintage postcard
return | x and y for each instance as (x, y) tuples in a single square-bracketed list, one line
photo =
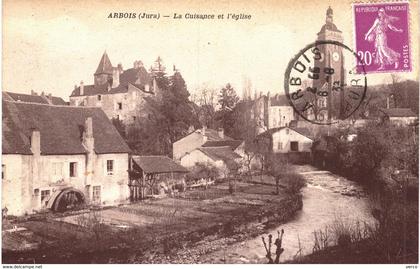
[(210, 132)]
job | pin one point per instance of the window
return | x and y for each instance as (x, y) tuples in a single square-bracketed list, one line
[(119, 106), (99, 97), (294, 146), (134, 118), (45, 195), (73, 169), (57, 169), (279, 145), (3, 171), (96, 194), (110, 167)]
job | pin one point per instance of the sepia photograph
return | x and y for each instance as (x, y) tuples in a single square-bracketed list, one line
[(210, 132)]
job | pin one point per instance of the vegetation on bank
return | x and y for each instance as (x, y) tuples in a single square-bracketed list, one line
[(384, 158), (163, 231)]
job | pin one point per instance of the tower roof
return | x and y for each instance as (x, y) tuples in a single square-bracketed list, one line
[(329, 25), (105, 66)]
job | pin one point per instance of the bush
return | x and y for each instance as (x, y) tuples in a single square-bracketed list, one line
[(294, 182)]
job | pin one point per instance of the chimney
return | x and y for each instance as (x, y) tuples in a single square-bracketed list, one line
[(33, 92), (36, 142), (115, 77), (120, 68), (89, 143), (50, 96), (42, 94), (82, 88), (221, 133), (88, 128)]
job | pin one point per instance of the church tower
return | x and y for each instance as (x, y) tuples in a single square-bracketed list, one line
[(104, 72), (332, 57)]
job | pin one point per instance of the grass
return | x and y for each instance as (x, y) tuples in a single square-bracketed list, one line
[(159, 226)]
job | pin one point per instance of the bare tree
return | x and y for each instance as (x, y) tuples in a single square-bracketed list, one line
[(205, 100), (277, 243)]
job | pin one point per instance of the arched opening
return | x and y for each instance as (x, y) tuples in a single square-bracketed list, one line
[(68, 199)]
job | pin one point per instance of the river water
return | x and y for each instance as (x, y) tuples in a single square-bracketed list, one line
[(327, 198)]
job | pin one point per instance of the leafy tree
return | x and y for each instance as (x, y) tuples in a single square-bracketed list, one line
[(227, 101)]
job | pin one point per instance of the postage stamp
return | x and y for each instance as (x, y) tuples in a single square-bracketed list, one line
[(382, 36)]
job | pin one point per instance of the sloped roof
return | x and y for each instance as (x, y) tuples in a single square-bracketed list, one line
[(233, 144), (399, 112), (329, 27), (135, 76), (58, 101), (59, 127), (303, 131), (225, 154), (158, 164), (213, 135), (89, 90), (104, 66), (25, 97), (30, 98)]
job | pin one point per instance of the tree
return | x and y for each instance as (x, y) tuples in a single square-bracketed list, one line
[(204, 107), (227, 101), (171, 113), (245, 128)]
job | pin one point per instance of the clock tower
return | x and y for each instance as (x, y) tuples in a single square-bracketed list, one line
[(332, 57)]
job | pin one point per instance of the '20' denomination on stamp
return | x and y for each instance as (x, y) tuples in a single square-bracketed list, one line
[(382, 36)]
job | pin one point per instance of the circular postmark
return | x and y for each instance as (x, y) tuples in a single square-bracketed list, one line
[(318, 85)]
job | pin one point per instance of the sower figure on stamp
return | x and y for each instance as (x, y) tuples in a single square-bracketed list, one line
[(384, 54)]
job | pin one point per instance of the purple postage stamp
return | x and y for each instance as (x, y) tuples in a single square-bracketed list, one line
[(382, 37)]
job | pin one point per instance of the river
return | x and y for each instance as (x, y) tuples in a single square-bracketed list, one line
[(327, 198)]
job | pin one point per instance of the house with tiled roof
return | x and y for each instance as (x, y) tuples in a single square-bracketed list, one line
[(60, 157), (399, 116), (196, 139), (209, 146), (294, 142), (222, 157), (120, 93), (34, 98)]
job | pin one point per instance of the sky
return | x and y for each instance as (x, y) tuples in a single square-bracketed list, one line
[(52, 45)]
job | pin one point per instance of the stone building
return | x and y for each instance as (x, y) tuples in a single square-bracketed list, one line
[(54, 157), (399, 116), (196, 139), (272, 112), (292, 142), (121, 94)]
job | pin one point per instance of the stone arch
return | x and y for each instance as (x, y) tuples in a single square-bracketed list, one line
[(66, 199)]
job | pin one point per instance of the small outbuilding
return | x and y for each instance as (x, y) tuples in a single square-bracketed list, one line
[(146, 171)]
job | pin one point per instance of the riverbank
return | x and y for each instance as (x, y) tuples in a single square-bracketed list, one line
[(168, 230), (326, 198)]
